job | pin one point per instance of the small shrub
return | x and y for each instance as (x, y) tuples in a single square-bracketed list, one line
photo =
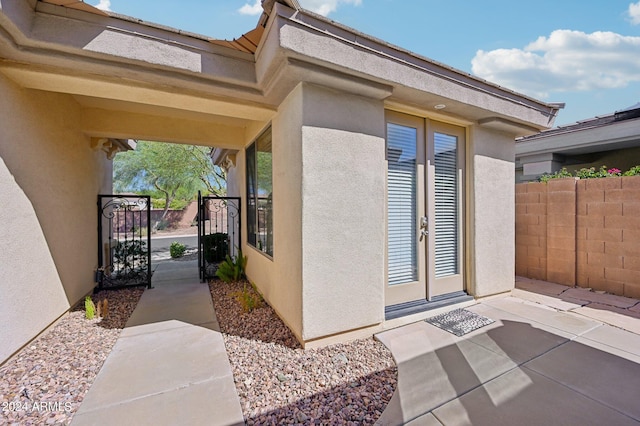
[(89, 308), (232, 269), (557, 175), (634, 171), (249, 298), (590, 173), (176, 249)]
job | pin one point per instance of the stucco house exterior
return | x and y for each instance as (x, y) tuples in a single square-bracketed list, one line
[(387, 177), (611, 139)]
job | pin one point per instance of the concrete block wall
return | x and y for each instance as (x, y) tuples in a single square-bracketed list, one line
[(531, 230), (591, 228)]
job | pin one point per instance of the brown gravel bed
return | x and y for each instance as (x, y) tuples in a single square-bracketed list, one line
[(280, 383), (45, 383)]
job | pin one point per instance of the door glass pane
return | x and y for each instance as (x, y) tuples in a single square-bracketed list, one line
[(446, 204), (401, 187)]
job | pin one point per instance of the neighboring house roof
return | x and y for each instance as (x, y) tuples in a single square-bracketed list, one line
[(617, 130)]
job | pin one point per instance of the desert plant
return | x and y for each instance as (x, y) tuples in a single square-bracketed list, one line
[(249, 298), (557, 175), (89, 308), (129, 254), (634, 171), (232, 269), (177, 249)]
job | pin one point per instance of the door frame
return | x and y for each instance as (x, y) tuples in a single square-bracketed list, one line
[(428, 287)]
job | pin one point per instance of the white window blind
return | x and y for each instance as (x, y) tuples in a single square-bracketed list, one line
[(401, 187), (446, 205)]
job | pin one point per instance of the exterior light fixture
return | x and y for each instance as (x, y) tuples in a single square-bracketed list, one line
[(440, 106)]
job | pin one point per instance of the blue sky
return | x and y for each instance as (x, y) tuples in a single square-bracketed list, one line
[(583, 53)]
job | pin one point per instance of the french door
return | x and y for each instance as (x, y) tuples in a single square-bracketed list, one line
[(425, 205)]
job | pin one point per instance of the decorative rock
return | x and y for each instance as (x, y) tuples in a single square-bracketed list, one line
[(60, 366), (348, 383)]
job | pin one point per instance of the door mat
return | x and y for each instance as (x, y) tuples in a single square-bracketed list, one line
[(459, 321)]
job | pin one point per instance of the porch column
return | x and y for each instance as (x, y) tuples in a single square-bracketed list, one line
[(343, 212), (491, 225)]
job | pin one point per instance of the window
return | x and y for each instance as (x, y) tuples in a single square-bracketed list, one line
[(260, 193), (401, 208)]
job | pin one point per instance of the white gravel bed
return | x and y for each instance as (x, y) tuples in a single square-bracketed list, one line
[(280, 383), (47, 380)]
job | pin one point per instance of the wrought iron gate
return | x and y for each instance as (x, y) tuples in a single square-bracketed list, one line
[(218, 232), (124, 241)]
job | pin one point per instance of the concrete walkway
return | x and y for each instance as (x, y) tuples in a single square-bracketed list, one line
[(169, 366), (548, 359)]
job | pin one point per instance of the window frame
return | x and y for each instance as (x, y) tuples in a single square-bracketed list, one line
[(253, 202)]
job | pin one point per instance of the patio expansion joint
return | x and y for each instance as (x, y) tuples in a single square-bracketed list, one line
[(515, 367), (148, 395), (578, 391)]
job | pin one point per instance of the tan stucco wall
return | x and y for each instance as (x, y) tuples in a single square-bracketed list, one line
[(492, 212), (343, 211), (49, 179), (327, 271), (279, 278)]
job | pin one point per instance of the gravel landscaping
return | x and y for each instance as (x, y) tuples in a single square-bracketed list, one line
[(48, 379), (280, 383)]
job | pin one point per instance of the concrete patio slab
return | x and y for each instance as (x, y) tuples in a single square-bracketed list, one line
[(608, 315), (538, 286), (449, 369), (158, 362), (558, 368), (524, 397), (551, 301), (169, 365), (573, 324), (599, 375), (185, 406), (605, 299), (615, 338), (426, 420)]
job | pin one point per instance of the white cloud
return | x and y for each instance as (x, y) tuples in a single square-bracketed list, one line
[(634, 13), (251, 9), (563, 62), (104, 5), (325, 7), (321, 7)]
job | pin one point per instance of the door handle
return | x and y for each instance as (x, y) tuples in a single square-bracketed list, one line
[(424, 227)]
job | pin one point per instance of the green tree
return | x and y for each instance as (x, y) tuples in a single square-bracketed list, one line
[(172, 170)]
